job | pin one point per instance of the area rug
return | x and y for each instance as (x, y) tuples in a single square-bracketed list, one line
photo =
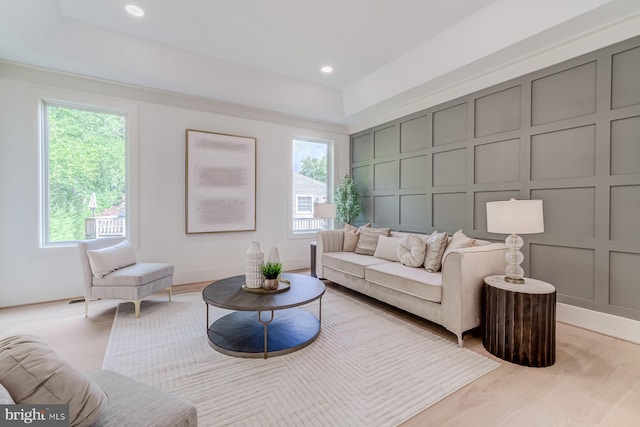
[(367, 367)]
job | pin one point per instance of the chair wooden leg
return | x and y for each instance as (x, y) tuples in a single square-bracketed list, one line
[(86, 307), (170, 293), (136, 304)]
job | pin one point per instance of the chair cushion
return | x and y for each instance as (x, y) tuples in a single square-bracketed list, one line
[(35, 374), (104, 261), (135, 275), (132, 403)]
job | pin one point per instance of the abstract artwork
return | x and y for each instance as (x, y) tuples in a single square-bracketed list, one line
[(220, 182)]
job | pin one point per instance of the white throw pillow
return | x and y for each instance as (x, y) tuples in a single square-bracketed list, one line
[(104, 261), (5, 397), (458, 240), (387, 248), (436, 245), (411, 251)]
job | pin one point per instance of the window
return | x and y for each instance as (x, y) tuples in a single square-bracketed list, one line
[(304, 204), (311, 182), (83, 173)]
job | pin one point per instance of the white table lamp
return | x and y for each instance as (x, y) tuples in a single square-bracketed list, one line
[(324, 211), (515, 217)]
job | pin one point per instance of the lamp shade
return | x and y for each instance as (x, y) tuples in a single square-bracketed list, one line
[(324, 210), (515, 217)]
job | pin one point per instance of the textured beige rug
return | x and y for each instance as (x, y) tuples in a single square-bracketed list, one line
[(367, 367)]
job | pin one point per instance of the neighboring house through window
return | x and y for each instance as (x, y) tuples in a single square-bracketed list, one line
[(311, 182)]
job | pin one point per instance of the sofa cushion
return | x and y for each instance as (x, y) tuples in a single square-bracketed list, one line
[(35, 374), (368, 240), (411, 251), (458, 240), (436, 245), (349, 262), (135, 275), (413, 281), (104, 261), (132, 403), (387, 248)]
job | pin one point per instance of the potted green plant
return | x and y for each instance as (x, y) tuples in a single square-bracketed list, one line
[(347, 200), (271, 271)]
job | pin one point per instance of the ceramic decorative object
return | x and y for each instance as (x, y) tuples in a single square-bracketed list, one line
[(253, 266), (274, 258), (270, 284)]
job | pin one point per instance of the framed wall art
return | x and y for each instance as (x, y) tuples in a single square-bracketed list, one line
[(220, 182)]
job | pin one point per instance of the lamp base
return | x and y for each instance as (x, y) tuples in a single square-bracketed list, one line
[(514, 280)]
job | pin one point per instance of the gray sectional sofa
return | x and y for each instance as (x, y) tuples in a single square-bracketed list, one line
[(450, 297)]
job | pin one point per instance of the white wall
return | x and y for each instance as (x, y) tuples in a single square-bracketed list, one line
[(29, 274)]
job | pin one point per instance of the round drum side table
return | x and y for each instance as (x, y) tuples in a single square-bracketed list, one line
[(519, 321)]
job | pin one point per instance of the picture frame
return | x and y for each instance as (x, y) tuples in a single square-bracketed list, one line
[(220, 194)]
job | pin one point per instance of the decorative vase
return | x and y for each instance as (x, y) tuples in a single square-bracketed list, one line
[(274, 258), (253, 266), (270, 284)]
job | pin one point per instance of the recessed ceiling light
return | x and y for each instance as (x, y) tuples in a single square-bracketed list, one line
[(134, 10), (327, 69)]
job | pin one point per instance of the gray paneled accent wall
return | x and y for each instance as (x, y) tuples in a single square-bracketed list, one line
[(568, 134)]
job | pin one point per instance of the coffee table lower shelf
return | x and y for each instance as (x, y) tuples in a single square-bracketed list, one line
[(243, 334)]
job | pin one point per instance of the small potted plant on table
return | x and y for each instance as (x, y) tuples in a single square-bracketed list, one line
[(271, 272)]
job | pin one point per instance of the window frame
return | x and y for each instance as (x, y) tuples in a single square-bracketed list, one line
[(39, 98), (331, 161)]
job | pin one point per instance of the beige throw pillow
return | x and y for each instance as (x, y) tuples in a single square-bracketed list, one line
[(104, 261), (458, 240), (411, 251), (35, 374), (351, 236), (387, 248), (436, 245), (368, 240)]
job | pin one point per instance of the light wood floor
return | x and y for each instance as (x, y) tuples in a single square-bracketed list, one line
[(594, 382)]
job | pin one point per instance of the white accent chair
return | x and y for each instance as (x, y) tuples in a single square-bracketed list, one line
[(131, 283)]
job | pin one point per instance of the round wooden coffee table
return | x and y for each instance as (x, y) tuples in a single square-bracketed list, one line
[(263, 325)]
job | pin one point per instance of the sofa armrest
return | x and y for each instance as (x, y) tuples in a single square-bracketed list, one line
[(463, 276), (327, 241)]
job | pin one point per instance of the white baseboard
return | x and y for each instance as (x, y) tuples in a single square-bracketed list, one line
[(608, 324)]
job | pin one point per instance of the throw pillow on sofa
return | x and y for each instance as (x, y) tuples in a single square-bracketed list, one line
[(35, 374), (368, 240), (351, 237), (387, 248), (436, 245), (458, 240), (411, 251)]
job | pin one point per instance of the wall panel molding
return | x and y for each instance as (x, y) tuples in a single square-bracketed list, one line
[(567, 134)]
